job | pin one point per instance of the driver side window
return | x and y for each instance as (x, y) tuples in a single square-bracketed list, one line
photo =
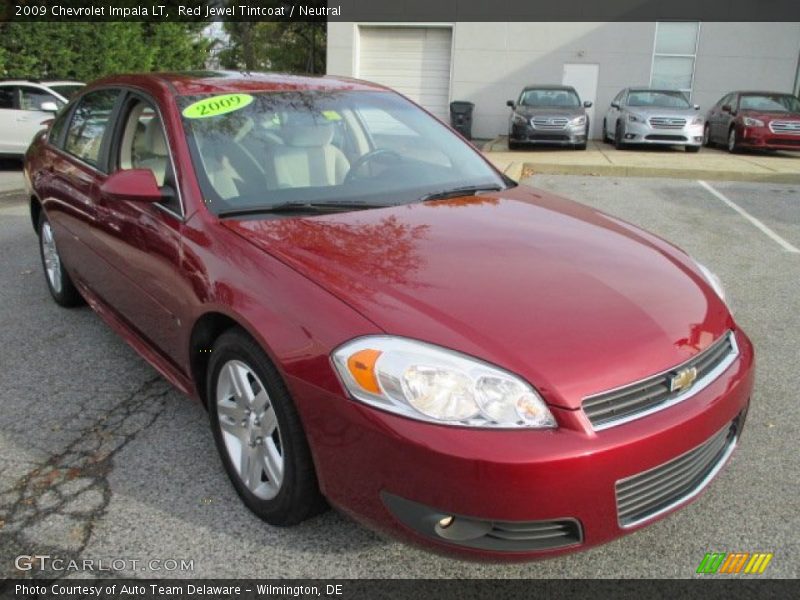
[(144, 146)]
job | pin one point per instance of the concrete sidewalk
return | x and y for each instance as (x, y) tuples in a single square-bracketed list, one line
[(672, 162), (11, 180)]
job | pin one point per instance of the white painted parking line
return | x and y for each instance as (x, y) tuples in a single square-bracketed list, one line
[(774, 236)]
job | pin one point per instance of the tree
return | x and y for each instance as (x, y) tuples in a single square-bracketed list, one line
[(59, 50), (295, 47)]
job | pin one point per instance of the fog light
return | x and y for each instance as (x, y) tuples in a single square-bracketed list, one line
[(445, 522), (630, 136)]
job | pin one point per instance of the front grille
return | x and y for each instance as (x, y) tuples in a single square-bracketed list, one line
[(655, 393), (667, 123), (651, 493), (790, 127), (661, 137), (549, 122), (534, 535)]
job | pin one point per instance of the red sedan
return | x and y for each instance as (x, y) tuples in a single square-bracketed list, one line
[(378, 319), (756, 120)]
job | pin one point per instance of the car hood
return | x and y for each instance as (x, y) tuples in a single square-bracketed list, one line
[(574, 301), (532, 111), (654, 111)]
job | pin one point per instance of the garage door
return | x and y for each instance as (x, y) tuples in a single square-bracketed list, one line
[(415, 61)]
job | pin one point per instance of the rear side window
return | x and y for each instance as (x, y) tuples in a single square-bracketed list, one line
[(32, 98), (89, 125), (6, 97)]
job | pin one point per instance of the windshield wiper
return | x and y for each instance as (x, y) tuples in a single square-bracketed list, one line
[(467, 190), (297, 207)]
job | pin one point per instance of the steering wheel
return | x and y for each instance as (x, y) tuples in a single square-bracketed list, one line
[(365, 158)]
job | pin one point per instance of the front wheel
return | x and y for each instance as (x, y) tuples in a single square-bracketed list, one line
[(258, 433), (733, 141), (707, 135), (619, 142), (58, 281)]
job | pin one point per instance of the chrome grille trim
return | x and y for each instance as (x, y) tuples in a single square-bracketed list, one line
[(549, 123), (601, 408), (652, 493), (790, 127), (667, 122)]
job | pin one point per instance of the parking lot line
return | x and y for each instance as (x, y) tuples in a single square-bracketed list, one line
[(775, 237)]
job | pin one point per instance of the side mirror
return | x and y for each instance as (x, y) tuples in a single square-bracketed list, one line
[(48, 107), (587, 104), (615, 105), (133, 185), (510, 103), (697, 107), (726, 108)]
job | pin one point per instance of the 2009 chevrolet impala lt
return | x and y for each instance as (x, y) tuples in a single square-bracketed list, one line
[(376, 318)]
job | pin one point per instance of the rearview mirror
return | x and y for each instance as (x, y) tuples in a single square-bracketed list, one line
[(587, 104), (615, 105), (48, 107), (510, 103), (133, 185)]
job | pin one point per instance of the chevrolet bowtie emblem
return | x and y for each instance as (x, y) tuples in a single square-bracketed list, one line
[(682, 380)]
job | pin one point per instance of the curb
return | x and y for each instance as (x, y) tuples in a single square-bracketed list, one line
[(530, 169)]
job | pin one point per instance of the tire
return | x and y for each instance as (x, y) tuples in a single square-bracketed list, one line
[(606, 138), (733, 142), (253, 418), (619, 143), (707, 136), (513, 145), (692, 149), (581, 146), (58, 281)]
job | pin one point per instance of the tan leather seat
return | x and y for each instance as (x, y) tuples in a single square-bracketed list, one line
[(154, 147), (308, 158)]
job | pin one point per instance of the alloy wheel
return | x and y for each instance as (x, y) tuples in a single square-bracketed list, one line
[(52, 261), (732, 141), (250, 429)]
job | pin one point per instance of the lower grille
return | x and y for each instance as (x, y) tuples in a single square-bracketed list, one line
[(783, 142), (660, 137), (658, 392), (554, 137), (791, 127), (535, 535), (667, 123), (649, 494)]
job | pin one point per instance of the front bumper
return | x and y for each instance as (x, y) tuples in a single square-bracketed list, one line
[(763, 138), (644, 133), (392, 473), (527, 134)]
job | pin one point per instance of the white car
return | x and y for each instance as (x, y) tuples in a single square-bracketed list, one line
[(24, 108)]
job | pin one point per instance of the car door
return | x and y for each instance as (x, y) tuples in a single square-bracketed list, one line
[(141, 241), (725, 118), (70, 181), (35, 107)]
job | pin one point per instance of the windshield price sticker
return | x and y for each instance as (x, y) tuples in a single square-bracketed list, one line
[(216, 105)]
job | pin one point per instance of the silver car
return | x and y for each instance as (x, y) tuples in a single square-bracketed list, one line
[(648, 116)]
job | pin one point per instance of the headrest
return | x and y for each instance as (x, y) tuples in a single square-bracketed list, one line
[(305, 131), (154, 138)]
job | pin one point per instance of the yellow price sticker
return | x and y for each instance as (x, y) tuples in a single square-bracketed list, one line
[(216, 105), (331, 115)]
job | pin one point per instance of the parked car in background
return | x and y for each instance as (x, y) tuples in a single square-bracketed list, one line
[(650, 116), (548, 115), (25, 107), (448, 356), (758, 120)]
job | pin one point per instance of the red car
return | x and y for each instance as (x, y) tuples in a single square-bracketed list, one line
[(756, 120), (378, 319)]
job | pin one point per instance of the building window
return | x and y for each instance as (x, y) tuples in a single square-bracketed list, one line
[(674, 56)]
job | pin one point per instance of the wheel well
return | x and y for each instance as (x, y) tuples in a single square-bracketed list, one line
[(205, 332), (36, 210)]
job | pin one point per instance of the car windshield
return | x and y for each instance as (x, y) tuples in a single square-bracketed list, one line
[(262, 150), (658, 99), (66, 89), (770, 102), (549, 98)]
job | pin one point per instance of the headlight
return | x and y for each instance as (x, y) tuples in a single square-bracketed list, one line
[(751, 122), (635, 119), (697, 121), (429, 383), (519, 119), (578, 120), (714, 281)]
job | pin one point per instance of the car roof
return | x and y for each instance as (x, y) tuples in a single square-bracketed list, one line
[(61, 82), (224, 82), (548, 87), (649, 89), (761, 92)]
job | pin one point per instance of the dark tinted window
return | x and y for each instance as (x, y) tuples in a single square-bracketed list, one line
[(89, 124), (32, 98), (550, 98), (7, 97), (54, 136)]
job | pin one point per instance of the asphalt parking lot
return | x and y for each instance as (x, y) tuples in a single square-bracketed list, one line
[(101, 459)]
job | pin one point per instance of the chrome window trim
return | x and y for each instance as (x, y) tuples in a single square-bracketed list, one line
[(698, 386), (694, 492)]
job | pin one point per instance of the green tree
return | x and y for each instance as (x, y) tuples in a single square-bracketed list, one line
[(296, 47), (86, 51)]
